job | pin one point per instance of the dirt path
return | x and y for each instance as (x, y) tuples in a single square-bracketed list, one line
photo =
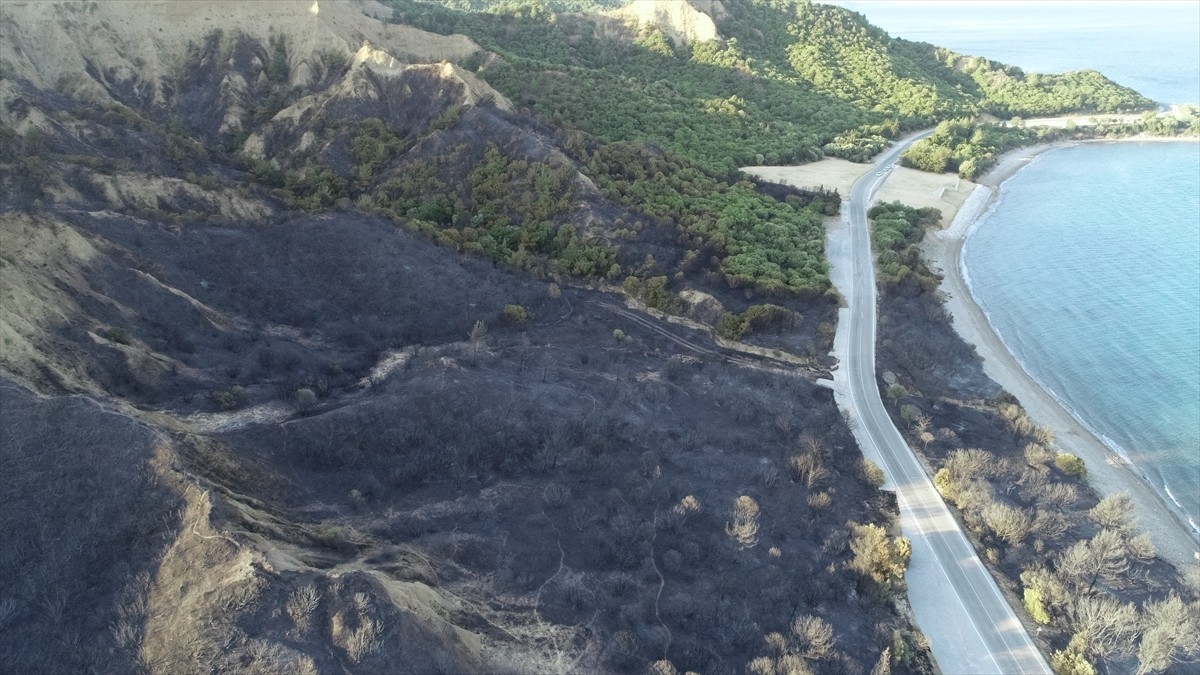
[(761, 357)]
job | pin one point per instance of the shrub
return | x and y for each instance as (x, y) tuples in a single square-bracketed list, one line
[(807, 469), (1070, 662), (304, 399), (873, 472), (478, 332), (731, 326), (688, 506), (1105, 556), (884, 665), (1045, 594), (1114, 512), (653, 293), (332, 537), (1035, 606), (663, 667), (878, 556), (516, 314), (814, 636), (744, 528), (762, 665), (301, 603), (1036, 454), (118, 335), (1169, 631), (1010, 524), (1070, 465), (944, 484), (755, 319), (228, 398), (768, 317)]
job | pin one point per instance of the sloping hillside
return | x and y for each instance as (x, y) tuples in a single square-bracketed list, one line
[(332, 344), (363, 457), (314, 360), (130, 49), (771, 82)]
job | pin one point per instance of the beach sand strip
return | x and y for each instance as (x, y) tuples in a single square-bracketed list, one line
[(1107, 471)]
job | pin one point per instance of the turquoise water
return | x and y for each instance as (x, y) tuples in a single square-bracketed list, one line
[(1088, 266)]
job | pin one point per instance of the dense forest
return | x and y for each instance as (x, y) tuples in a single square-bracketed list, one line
[(785, 82), (971, 148), (666, 124)]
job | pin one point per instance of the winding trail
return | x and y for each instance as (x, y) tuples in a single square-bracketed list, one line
[(970, 625)]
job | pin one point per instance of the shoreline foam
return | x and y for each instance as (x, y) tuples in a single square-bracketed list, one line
[(1175, 534)]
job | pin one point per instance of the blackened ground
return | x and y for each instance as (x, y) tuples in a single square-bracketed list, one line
[(534, 466)]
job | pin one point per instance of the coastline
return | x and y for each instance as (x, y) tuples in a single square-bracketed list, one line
[(1108, 472)]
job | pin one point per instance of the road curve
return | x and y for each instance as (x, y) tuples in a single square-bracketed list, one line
[(971, 627)]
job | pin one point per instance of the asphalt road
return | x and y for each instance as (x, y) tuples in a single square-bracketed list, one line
[(970, 625)]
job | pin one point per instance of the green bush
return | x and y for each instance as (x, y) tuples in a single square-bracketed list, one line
[(118, 335), (304, 400), (768, 317), (332, 537), (945, 485), (1035, 606), (873, 472), (653, 293), (731, 326), (877, 556), (1070, 662), (1070, 465), (755, 319), (228, 398), (516, 314)]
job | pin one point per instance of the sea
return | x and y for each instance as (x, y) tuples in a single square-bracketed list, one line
[(1088, 263)]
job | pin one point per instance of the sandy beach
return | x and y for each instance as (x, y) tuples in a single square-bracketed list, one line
[(1107, 472)]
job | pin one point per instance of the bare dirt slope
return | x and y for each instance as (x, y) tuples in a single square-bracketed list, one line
[(680, 20), (90, 48)]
